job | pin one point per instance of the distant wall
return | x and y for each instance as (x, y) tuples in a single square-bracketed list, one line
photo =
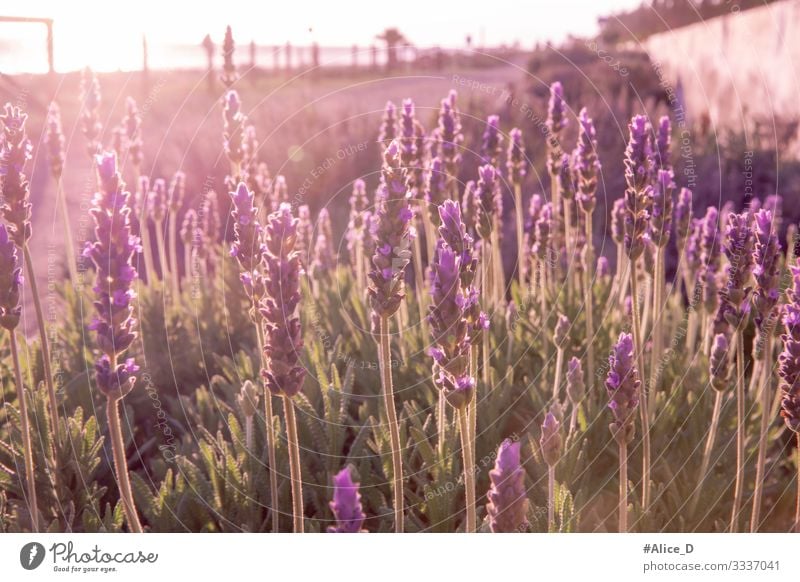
[(731, 67)]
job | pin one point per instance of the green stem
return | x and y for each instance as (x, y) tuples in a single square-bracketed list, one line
[(385, 355), (48, 374), (762, 435), (520, 235), (643, 408), (294, 464), (268, 422), (419, 284), (709, 448), (162, 251), (72, 264), (469, 469), (589, 299), (551, 498), (623, 485), (27, 448), (559, 370), (797, 503), (485, 294), (121, 464), (173, 254), (655, 354), (738, 492)]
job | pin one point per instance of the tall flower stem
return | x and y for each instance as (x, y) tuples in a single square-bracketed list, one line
[(485, 372), (173, 253), (384, 358), (551, 498), (588, 298), (419, 283), (442, 410), (643, 408), (559, 371), (294, 463), (797, 503), (469, 468), (762, 435), (72, 265), (120, 463), (48, 374), (655, 354), (709, 448), (520, 235), (30, 482), (623, 486), (738, 492), (162, 252), (270, 427)]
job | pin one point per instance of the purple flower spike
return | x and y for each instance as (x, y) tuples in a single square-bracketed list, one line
[(247, 247), (738, 248), (551, 440), (283, 339), (623, 387), (683, 217), (392, 238), (638, 156), (346, 504), (234, 122), (15, 151), (508, 505), (448, 136), (587, 163), (515, 158), (542, 232), (567, 178), (661, 219), (491, 149), (576, 389), (388, 124), (157, 201), (10, 282), (113, 253), (719, 363), (556, 109), (766, 270), (490, 200), (789, 359)]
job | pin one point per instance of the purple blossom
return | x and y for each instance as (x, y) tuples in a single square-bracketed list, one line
[(789, 359), (490, 200), (566, 178), (392, 238), (10, 282), (556, 122), (491, 148), (766, 270), (576, 389), (542, 232), (515, 158), (719, 363), (448, 136), (638, 156), (283, 340), (346, 504), (738, 248), (550, 440), (234, 122), (622, 384), (112, 253), (15, 151), (508, 505), (587, 164), (247, 247), (388, 125)]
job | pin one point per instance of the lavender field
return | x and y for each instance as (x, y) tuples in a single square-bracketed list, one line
[(522, 291)]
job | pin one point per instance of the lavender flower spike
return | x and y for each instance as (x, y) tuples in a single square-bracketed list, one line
[(515, 158), (15, 151), (576, 389), (638, 155), (738, 248), (623, 387), (391, 233), (551, 440), (491, 149), (766, 254), (508, 506), (719, 363), (247, 247), (490, 200), (661, 219), (789, 359), (587, 163), (283, 340), (346, 504), (10, 282)]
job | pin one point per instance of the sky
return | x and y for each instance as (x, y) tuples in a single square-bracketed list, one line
[(107, 35)]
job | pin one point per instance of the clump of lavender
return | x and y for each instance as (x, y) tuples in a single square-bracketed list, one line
[(346, 504), (10, 314), (283, 372), (551, 445), (508, 505), (115, 325), (492, 146), (90, 111), (386, 291), (228, 76), (624, 390), (789, 370)]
